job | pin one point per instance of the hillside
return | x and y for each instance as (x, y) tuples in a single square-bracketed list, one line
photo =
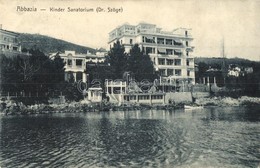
[(48, 44), (218, 60), (205, 62), (214, 62)]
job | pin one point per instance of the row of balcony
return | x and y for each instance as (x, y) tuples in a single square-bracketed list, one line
[(167, 45), (171, 56), (177, 76), (180, 65)]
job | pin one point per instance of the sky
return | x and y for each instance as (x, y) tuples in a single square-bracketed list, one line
[(235, 21)]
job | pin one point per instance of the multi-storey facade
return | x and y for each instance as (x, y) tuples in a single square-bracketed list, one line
[(9, 44), (170, 52), (75, 64)]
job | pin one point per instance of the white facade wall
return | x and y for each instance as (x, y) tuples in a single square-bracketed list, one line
[(175, 45), (75, 64), (9, 44)]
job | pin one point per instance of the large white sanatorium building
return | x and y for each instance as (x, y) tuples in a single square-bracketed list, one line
[(171, 52)]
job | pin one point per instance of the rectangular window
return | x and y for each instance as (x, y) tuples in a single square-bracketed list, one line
[(178, 72), (157, 96), (188, 73), (169, 72), (131, 41), (160, 40), (169, 62), (177, 52), (177, 42), (177, 62), (187, 43), (79, 76), (162, 72), (149, 50), (169, 42), (69, 62), (169, 51), (78, 62), (161, 51), (132, 98), (145, 97), (188, 62), (148, 39), (161, 61)]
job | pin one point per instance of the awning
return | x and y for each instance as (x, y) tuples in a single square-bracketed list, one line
[(177, 50), (177, 40), (162, 50), (189, 49), (149, 37)]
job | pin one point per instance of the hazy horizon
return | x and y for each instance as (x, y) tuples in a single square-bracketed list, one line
[(236, 21)]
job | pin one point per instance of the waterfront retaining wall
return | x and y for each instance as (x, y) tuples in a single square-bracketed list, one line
[(198, 95), (178, 97)]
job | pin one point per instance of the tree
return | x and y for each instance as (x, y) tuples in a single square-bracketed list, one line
[(71, 92), (140, 65), (9, 74), (33, 74), (100, 71), (117, 59), (28, 68), (58, 72)]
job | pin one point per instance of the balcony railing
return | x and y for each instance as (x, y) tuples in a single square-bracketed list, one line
[(171, 66)]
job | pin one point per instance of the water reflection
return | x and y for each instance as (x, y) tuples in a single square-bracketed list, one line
[(250, 114), (213, 137), (147, 114)]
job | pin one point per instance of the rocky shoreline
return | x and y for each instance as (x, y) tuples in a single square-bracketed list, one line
[(228, 101), (9, 107), (14, 108)]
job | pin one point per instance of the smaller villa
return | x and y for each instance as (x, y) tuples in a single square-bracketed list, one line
[(76, 63)]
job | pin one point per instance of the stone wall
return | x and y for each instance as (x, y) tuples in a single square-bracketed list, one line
[(178, 97), (198, 95)]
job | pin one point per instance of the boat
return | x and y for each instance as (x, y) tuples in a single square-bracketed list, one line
[(187, 107)]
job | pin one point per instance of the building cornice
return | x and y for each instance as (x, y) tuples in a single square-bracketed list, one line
[(9, 32)]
